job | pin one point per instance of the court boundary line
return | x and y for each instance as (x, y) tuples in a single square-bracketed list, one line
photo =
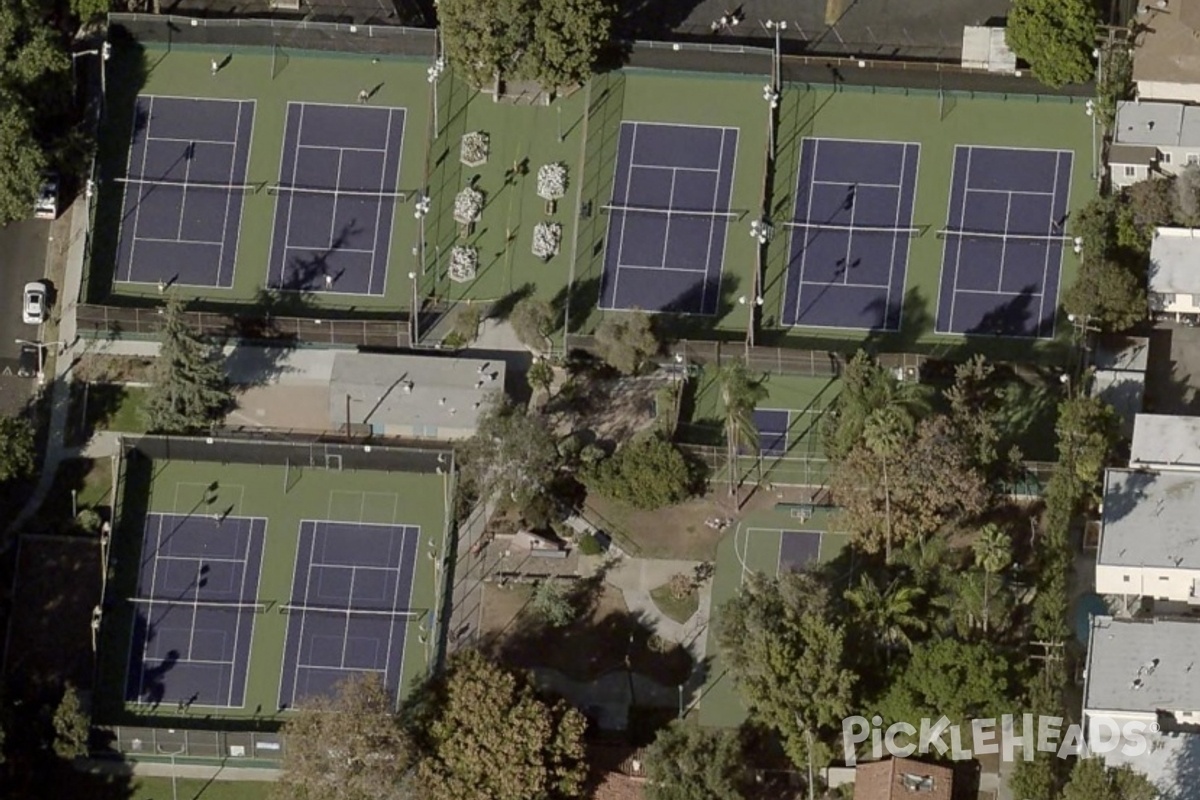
[(262, 557), (912, 212), (737, 134), (624, 218), (137, 212), (237, 242)]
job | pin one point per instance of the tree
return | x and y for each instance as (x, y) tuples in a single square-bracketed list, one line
[(1088, 430), (88, 10), (1055, 37), (17, 450), (347, 747), (739, 396), (977, 408), (533, 321), (72, 726), (788, 656), (552, 604), (485, 40), (1108, 293), (645, 472), (1153, 203), (1092, 780), (931, 482), (488, 734), (568, 36), (686, 762), (512, 455), (993, 553), (1041, 778), (946, 676), (867, 388), (969, 599), (887, 615), (189, 391), (627, 341), (884, 434), (540, 375), (1187, 191), (24, 162)]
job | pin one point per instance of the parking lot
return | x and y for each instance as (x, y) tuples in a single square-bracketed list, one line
[(22, 259)]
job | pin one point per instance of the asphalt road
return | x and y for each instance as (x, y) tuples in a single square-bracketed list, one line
[(22, 259)]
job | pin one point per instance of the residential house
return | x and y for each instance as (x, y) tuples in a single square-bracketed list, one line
[(1149, 541), (1119, 376), (903, 779), (1173, 283), (1166, 60), (1152, 139), (1165, 442), (1145, 671)]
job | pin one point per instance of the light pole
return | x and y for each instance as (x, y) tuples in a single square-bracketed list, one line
[(105, 53), (771, 95), (1089, 108), (172, 754), (560, 133), (432, 75), (41, 348), (760, 231), (779, 27), (421, 211), (413, 331)]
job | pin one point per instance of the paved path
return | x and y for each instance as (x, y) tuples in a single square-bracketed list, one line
[(160, 769)]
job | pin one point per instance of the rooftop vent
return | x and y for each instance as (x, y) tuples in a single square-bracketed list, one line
[(917, 783)]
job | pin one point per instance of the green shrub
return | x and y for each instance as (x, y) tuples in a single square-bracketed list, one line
[(647, 472), (589, 546)]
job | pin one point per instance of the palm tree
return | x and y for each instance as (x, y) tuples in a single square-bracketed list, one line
[(889, 613), (739, 395), (993, 551), (885, 432)]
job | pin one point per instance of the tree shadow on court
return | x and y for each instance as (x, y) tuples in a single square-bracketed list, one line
[(647, 19), (580, 298), (672, 325), (127, 72), (502, 308), (310, 273), (1013, 318)]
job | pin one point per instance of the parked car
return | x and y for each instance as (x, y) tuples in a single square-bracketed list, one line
[(47, 202), (33, 304), (27, 361)]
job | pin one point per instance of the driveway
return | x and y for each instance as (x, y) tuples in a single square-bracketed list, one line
[(22, 259)]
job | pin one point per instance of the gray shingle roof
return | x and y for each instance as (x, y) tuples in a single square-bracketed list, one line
[(1143, 666)]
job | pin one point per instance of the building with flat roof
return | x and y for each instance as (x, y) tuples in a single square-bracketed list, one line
[(1151, 139), (1119, 376), (1166, 61), (1147, 671), (1173, 280), (1166, 442), (1149, 539)]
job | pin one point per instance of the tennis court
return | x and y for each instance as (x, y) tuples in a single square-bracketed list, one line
[(781, 429), (850, 233), (668, 218), (196, 605), (336, 198), (183, 191), (1004, 241), (349, 611)]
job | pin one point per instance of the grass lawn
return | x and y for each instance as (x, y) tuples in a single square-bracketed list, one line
[(680, 610), (674, 532), (106, 407), (91, 479)]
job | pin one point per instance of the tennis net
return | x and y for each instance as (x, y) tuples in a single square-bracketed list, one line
[(672, 212), (278, 188), (307, 608), (256, 608), (173, 184), (1032, 238), (822, 226)]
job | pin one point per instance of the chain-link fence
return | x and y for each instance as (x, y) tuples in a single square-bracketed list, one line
[(384, 40), (171, 743)]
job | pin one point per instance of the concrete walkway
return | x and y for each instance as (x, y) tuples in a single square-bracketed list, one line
[(162, 769)]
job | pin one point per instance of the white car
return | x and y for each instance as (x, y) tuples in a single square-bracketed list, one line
[(33, 304), (47, 202)]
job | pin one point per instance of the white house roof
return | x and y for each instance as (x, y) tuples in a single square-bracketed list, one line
[(987, 48), (1122, 353), (1142, 666), (1149, 520), (1165, 441), (1160, 124), (1175, 261), (388, 389)]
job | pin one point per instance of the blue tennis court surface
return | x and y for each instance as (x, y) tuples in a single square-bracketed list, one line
[(350, 592), (1004, 241), (336, 198), (850, 234), (197, 584), (186, 178), (772, 427), (668, 218), (798, 550)]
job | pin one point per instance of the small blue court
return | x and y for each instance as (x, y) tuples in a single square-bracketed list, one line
[(336, 198), (184, 187), (850, 234), (781, 429), (195, 609), (350, 610), (1003, 242), (668, 218)]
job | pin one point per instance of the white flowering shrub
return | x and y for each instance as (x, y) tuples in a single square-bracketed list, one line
[(468, 205), (552, 181), (473, 151), (547, 236), (464, 264)]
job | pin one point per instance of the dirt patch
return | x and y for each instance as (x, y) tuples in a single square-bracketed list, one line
[(58, 585), (607, 637), (113, 369)]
